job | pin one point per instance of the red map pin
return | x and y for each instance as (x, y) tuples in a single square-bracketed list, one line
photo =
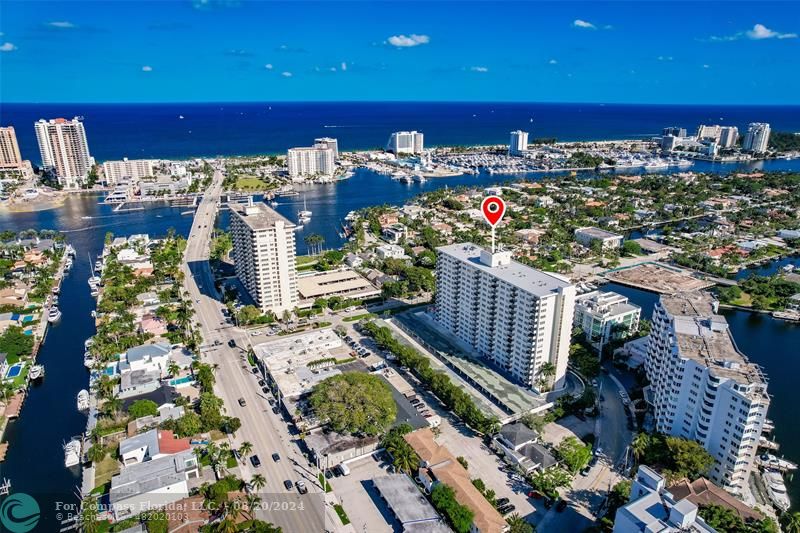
[(493, 208)]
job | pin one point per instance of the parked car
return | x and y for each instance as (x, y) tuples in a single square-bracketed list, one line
[(255, 461), (275, 409), (232, 343), (288, 484), (501, 502), (507, 508), (254, 370), (261, 382), (242, 402)]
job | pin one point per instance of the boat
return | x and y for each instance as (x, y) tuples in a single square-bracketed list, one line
[(351, 216), (56, 289), (88, 359), (776, 489), (788, 268), (88, 342), (72, 453), (772, 462), (304, 213), (37, 371), (83, 400), (53, 315), (298, 227), (69, 250), (273, 203), (419, 178)]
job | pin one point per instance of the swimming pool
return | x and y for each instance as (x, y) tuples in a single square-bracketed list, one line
[(177, 382), (14, 371)]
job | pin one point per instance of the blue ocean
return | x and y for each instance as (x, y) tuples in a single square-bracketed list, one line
[(158, 131)]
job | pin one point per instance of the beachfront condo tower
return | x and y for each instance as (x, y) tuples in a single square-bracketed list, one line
[(264, 256), (518, 144), (515, 316), (703, 387), (64, 150), (756, 139), (406, 142)]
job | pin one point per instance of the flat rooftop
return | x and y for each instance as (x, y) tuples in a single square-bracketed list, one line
[(405, 500), (597, 233), (345, 282), (259, 215), (704, 336), (521, 276), (287, 359), (657, 278)]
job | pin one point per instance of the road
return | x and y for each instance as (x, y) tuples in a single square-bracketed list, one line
[(234, 380)]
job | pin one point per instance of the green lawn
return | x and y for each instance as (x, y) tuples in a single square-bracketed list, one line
[(250, 183), (105, 470), (324, 482), (305, 259), (342, 515), (358, 317)]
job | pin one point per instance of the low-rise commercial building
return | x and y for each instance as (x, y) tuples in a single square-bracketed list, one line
[(587, 236), (408, 505), (344, 282)]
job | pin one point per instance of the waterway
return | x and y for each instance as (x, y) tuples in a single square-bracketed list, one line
[(34, 463)]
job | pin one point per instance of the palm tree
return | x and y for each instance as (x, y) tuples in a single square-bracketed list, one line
[(640, 445), (112, 406), (245, 448), (173, 368), (547, 371), (517, 524), (253, 502), (258, 482), (790, 522), (405, 459), (88, 517)]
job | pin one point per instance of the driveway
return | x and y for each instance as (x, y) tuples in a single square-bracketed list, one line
[(360, 499)]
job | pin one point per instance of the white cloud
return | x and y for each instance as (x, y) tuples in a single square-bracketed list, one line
[(286, 74), (553, 62), (706, 66), (665, 58), (333, 69), (479, 69), (147, 68), (405, 41), (61, 24), (578, 23), (268, 66), (760, 31), (7, 47), (344, 65)]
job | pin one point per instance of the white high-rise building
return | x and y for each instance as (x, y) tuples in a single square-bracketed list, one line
[(310, 161), (406, 142), (519, 142), (264, 256), (64, 150), (602, 315), (517, 317), (704, 388), (9, 149), (131, 169), (757, 137), (328, 142), (724, 136)]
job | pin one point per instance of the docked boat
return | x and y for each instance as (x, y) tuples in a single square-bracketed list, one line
[(69, 251), (88, 342), (772, 462), (54, 315), (67, 265), (298, 227), (37, 372), (72, 453), (351, 216), (88, 360), (56, 289), (788, 268), (304, 213), (776, 489), (83, 400)]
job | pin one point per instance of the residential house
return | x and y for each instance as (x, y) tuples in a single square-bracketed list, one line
[(516, 441), (151, 445)]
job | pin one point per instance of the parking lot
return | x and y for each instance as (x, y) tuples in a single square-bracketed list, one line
[(360, 499)]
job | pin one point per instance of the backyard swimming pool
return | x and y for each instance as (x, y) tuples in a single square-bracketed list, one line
[(14, 371)]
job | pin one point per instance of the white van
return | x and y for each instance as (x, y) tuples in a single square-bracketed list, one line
[(345, 470)]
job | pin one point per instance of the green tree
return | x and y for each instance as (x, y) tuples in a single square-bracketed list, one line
[(631, 248), (458, 516), (189, 424), (790, 522), (141, 408), (354, 403), (574, 453), (517, 524), (549, 481), (258, 482)]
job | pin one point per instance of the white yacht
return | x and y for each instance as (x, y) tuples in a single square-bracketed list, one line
[(83, 400), (773, 462), (54, 315), (69, 250), (37, 371), (88, 360), (776, 489), (72, 453), (304, 213)]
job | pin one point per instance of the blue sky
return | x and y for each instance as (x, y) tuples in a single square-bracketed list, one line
[(206, 50)]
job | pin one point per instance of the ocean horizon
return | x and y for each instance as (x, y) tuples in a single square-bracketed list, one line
[(183, 130)]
